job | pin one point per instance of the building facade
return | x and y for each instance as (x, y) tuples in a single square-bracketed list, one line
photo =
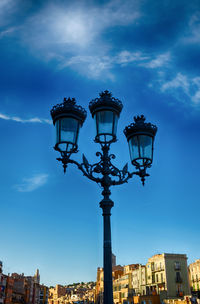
[(194, 275), (167, 275), (2, 284)]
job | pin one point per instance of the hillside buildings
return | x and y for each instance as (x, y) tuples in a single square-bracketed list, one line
[(80, 292), (17, 289)]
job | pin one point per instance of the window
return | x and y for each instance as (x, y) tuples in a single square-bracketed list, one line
[(178, 277), (157, 278), (177, 265)]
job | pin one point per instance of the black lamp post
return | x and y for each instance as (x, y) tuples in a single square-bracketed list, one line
[(68, 118)]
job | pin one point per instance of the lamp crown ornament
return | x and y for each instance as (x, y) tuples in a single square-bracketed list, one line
[(139, 126), (139, 119), (106, 101), (105, 94), (69, 101), (68, 108)]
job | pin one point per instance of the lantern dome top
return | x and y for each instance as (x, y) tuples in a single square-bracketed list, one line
[(105, 102), (140, 126), (68, 108)]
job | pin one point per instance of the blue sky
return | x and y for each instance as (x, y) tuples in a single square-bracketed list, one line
[(147, 54)]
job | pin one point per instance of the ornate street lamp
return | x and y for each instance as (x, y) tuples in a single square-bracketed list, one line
[(140, 136), (68, 118), (106, 111)]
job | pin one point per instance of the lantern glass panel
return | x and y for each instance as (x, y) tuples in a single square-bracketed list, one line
[(67, 130), (140, 147), (145, 146), (106, 125), (133, 147)]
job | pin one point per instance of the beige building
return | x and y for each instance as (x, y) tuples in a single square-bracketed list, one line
[(194, 275), (56, 293), (123, 285), (139, 280), (167, 275), (99, 286)]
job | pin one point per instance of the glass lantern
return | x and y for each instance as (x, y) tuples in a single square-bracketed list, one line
[(105, 111), (67, 130), (67, 118), (140, 136)]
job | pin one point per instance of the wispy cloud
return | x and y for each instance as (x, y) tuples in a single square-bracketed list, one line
[(30, 120), (189, 87), (125, 57), (91, 66), (180, 81), (161, 60), (7, 9), (32, 183), (8, 31), (192, 35), (95, 66)]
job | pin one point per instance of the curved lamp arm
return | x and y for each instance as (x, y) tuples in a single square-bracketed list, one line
[(86, 171)]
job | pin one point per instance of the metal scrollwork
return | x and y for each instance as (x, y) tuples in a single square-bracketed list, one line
[(103, 172)]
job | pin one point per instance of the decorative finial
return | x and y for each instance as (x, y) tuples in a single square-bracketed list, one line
[(70, 101), (105, 94), (139, 119)]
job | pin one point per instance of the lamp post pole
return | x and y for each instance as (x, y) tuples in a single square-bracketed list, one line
[(68, 118), (106, 204)]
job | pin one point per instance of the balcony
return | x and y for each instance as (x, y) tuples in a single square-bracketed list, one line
[(180, 294), (155, 269)]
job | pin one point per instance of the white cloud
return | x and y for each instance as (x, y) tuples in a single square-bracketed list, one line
[(7, 9), (32, 183), (2, 116), (126, 57), (180, 81), (71, 34), (95, 66), (30, 120), (183, 87), (92, 66), (196, 97), (192, 35), (160, 61), (196, 84), (64, 27), (8, 31)]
